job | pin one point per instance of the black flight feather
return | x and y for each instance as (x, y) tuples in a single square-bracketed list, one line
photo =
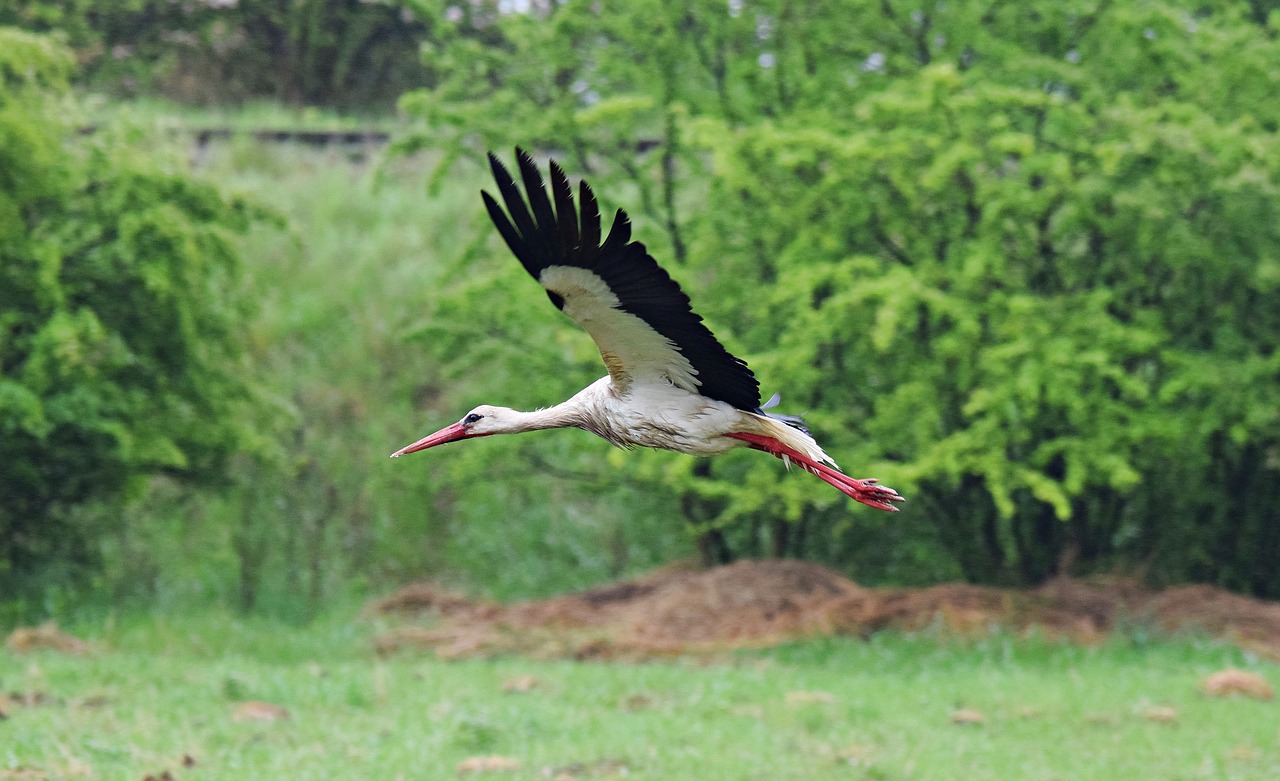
[(566, 215)]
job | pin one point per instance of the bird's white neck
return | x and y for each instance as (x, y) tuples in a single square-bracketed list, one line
[(577, 412), (563, 415)]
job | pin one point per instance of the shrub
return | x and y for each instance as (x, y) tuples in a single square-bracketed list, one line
[(119, 314)]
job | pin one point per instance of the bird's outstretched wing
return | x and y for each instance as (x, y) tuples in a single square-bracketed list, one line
[(638, 316)]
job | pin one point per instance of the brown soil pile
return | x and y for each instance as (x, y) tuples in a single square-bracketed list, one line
[(1251, 623), (46, 637), (756, 603)]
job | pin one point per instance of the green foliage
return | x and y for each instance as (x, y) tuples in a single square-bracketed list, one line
[(119, 305), (353, 53), (1018, 260)]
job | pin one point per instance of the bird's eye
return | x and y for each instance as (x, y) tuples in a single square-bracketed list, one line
[(471, 418)]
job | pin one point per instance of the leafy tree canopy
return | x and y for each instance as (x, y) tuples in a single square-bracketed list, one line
[(119, 312), (1021, 258), (347, 53)]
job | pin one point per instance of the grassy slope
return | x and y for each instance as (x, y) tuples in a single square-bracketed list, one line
[(343, 287), (334, 286), (370, 252), (877, 710)]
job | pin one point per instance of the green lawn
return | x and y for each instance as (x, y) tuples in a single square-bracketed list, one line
[(155, 691)]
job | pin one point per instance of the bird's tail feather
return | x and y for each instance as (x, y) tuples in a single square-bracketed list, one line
[(795, 437), (793, 421)]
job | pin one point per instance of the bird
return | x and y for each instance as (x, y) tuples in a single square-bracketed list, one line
[(670, 384)]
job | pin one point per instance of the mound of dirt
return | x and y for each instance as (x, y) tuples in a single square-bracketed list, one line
[(1250, 623), (756, 603), (46, 637)]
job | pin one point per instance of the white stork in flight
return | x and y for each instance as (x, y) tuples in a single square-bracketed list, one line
[(670, 385)]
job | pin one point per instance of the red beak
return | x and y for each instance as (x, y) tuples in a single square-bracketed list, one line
[(444, 435)]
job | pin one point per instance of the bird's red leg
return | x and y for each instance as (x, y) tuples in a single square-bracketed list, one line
[(868, 491)]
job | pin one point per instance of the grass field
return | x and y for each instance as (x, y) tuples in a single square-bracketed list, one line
[(159, 695)]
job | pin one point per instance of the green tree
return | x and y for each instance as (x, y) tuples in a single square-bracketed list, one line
[(119, 314), (1020, 258), (349, 54)]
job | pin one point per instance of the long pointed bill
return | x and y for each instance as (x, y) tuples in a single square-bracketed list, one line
[(446, 434)]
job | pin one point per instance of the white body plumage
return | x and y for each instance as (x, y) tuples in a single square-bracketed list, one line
[(656, 415)]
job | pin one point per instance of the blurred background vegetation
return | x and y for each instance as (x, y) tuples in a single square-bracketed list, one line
[(1019, 260)]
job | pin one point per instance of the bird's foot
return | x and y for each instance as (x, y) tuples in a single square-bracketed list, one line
[(871, 493)]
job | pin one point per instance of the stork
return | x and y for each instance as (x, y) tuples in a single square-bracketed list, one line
[(670, 384)]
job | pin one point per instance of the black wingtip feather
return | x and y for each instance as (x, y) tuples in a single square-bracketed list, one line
[(619, 234), (500, 173), (590, 217), (510, 193), (536, 192), (566, 215), (508, 231)]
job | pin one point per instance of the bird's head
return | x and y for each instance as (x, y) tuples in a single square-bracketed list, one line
[(482, 421)]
